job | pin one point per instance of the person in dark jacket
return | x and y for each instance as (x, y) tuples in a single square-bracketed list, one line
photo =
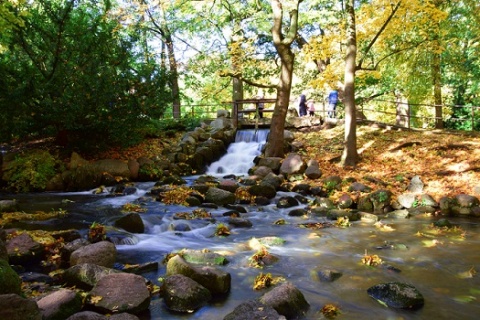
[(302, 105)]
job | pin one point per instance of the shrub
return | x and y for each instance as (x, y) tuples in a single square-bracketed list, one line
[(30, 171)]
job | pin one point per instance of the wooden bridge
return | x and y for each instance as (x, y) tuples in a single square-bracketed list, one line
[(246, 113)]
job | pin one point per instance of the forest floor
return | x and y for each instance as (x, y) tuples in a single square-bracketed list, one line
[(447, 162)]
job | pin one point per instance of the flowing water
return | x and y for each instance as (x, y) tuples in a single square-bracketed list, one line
[(436, 265)]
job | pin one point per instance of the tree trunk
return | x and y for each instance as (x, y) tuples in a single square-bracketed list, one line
[(174, 76), (350, 155), (282, 44)]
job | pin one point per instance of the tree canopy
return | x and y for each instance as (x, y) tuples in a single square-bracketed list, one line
[(100, 69)]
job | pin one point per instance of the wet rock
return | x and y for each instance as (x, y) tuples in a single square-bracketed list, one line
[(297, 212), (322, 205), (10, 282), (253, 309), (287, 300), (335, 214), (240, 223), (326, 275), (86, 275), (441, 223), (36, 277), (66, 235), (287, 202), (123, 316), (8, 206), (302, 188), (262, 171), (182, 294), (302, 199), (87, 315), (60, 304), (215, 280), (262, 201), (399, 214), (273, 180), (180, 227), (102, 253), (368, 217), (263, 189), (131, 222), (203, 257), (219, 196), (71, 246), (193, 201), (237, 208), (121, 292), (14, 307), (365, 204), (397, 295), (23, 250), (228, 185)]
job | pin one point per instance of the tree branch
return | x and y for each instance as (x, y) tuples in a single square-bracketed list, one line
[(370, 45)]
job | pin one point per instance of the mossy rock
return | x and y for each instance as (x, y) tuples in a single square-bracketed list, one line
[(10, 282)]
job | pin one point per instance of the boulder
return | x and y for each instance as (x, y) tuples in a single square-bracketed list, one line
[(88, 315), (313, 170), (121, 292), (253, 309), (14, 307), (263, 190), (23, 250), (60, 304), (86, 275), (10, 282), (215, 280), (287, 202), (380, 200), (203, 257), (219, 196), (416, 185), (293, 164), (102, 253), (131, 222), (273, 163), (397, 295), (182, 294), (8, 206), (287, 300)]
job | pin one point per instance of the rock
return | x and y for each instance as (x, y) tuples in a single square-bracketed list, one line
[(36, 277), (416, 185), (368, 217), (73, 245), (239, 222), (273, 180), (253, 309), (102, 253), (297, 212), (3, 250), (183, 294), (326, 275), (287, 202), (8, 206), (215, 280), (88, 315), (302, 188), (134, 168), (121, 292), (407, 200), (10, 282), (23, 250), (287, 300), (380, 200), (273, 163), (263, 189), (293, 164), (345, 201), (397, 295), (313, 170), (399, 214), (60, 304), (14, 307), (203, 257), (228, 185), (131, 222), (262, 171), (219, 196), (123, 316), (86, 275), (357, 186), (331, 183), (335, 214)]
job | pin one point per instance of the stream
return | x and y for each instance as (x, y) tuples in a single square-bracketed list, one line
[(437, 265)]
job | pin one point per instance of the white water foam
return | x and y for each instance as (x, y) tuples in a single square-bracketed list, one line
[(240, 154)]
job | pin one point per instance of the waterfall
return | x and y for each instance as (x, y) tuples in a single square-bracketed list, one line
[(241, 153)]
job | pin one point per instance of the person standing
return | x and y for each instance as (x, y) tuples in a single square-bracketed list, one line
[(302, 105), (332, 103), (311, 107), (260, 106)]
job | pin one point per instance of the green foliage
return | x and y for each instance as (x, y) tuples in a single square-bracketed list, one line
[(75, 71), (30, 171)]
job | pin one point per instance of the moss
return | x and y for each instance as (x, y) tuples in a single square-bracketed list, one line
[(10, 282)]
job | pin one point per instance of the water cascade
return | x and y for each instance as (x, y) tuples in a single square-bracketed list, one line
[(241, 153)]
